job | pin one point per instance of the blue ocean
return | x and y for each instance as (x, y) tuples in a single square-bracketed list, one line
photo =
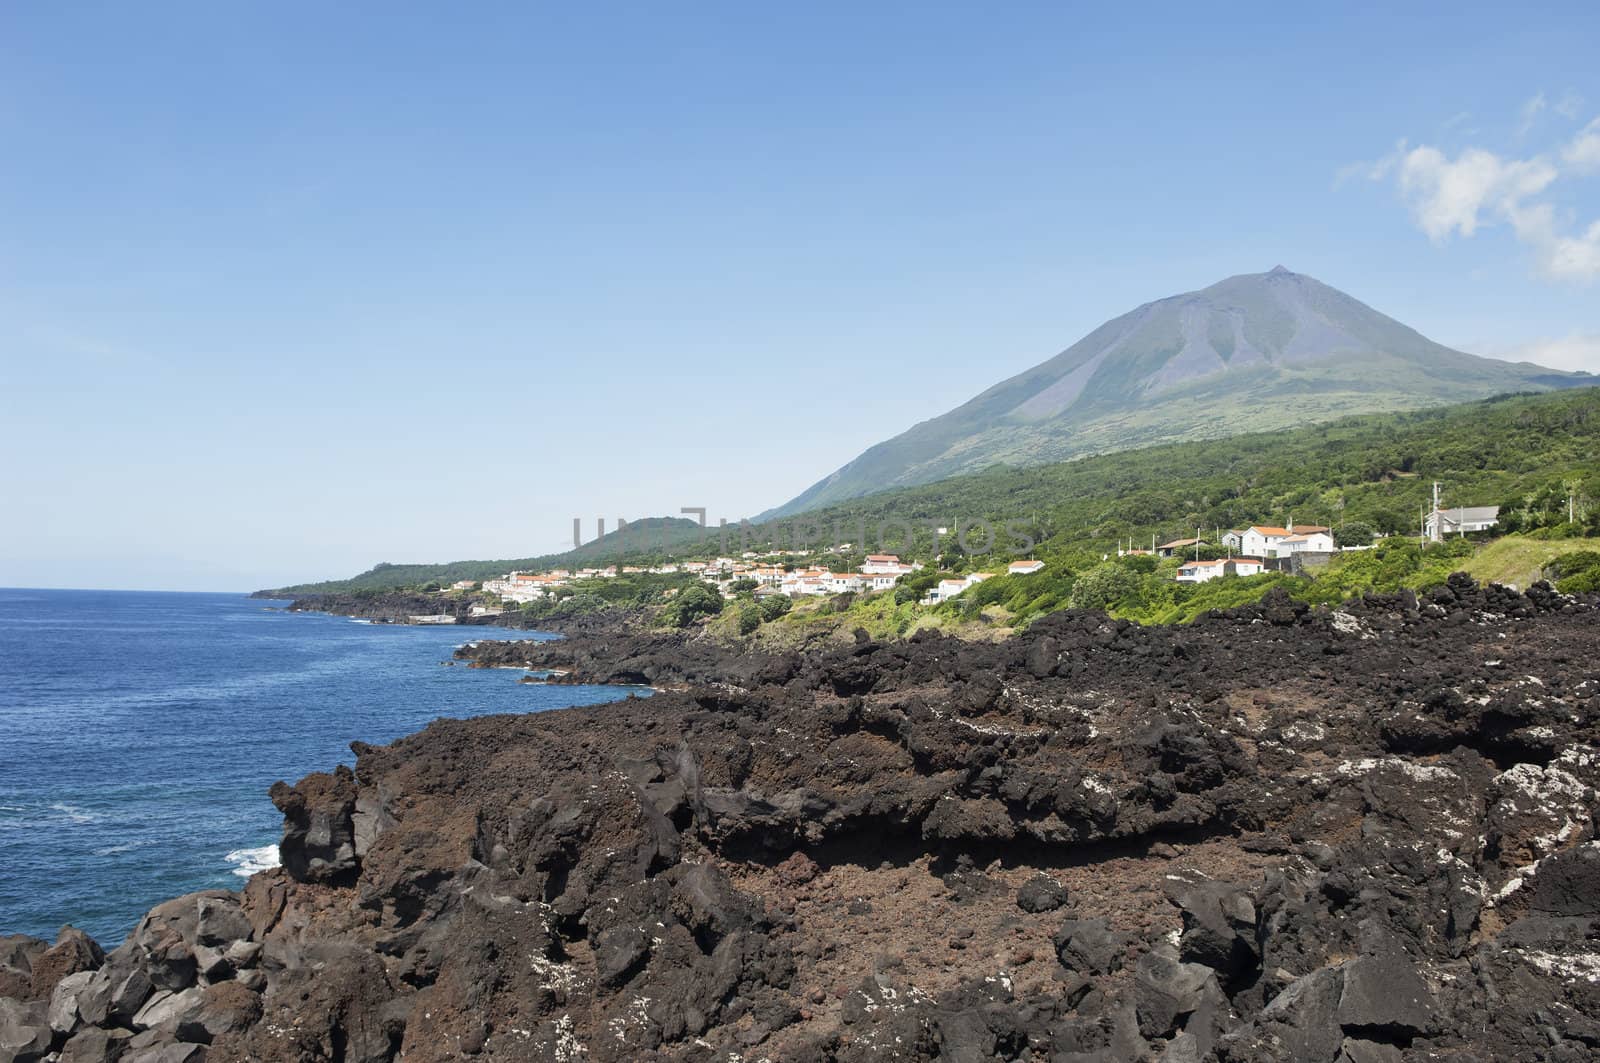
[(139, 733)]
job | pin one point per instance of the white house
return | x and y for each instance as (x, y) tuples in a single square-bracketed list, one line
[(1204, 571), (840, 582), (1024, 568), (977, 577), (1200, 571), (880, 581), (464, 585), (810, 582), (1461, 520), (1264, 540), (1310, 543), (885, 563)]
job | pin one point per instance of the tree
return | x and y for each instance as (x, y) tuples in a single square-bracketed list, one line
[(749, 618), (691, 604), (774, 607), (1355, 533), (1102, 586)]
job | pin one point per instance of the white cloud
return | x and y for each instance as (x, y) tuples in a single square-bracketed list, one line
[(1571, 105), (1579, 351), (1583, 153), (1576, 256), (1530, 114), (1448, 196), (1478, 188)]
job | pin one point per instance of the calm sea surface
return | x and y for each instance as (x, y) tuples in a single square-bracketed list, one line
[(139, 733)]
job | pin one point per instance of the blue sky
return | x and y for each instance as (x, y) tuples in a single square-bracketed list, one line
[(287, 290)]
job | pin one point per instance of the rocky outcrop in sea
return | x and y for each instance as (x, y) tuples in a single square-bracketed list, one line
[(1278, 834)]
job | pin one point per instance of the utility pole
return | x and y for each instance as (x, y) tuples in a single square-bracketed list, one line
[(1438, 517)]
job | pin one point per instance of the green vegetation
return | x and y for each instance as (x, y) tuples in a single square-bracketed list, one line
[(1529, 454), (1577, 572), (632, 590), (690, 604), (1143, 589), (1376, 470)]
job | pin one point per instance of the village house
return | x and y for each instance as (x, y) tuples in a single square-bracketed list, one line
[(949, 588), (1461, 520), (1200, 571), (808, 581), (885, 563), (1204, 571), (840, 582), (880, 581), (1176, 546), (464, 585), (524, 587), (1317, 542), (1024, 568), (1263, 540)]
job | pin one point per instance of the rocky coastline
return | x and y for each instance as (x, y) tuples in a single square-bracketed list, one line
[(1352, 836), (398, 607)]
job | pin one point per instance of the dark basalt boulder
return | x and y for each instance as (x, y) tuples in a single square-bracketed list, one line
[(73, 952), (1089, 946), (1385, 996), (1568, 883), (25, 1033), (1041, 893), (1167, 991), (318, 842), (1219, 926), (17, 955), (95, 1045)]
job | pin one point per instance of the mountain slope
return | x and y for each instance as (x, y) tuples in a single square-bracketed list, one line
[(1250, 353)]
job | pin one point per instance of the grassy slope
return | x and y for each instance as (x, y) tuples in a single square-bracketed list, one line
[(1518, 561)]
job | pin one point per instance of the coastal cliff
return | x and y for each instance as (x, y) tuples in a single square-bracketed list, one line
[(1278, 834)]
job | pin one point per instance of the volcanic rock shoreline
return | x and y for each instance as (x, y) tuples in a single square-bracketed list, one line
[(1277, 834), (398, 607)]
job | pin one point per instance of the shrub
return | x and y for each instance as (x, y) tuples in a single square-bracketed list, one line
[(1102, 586), (691, 604)]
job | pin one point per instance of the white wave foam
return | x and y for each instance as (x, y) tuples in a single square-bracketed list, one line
[(75, 814), (112, 850), (248, 861)]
